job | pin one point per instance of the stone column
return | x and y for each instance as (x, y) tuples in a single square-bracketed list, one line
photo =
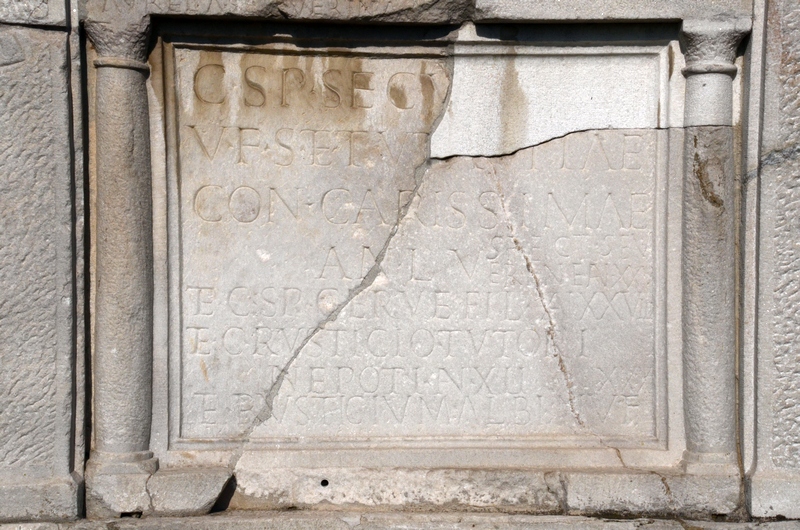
[(709, 246), (121, 462)]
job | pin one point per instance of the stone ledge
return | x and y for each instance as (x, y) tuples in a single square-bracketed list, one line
[(300, 520)]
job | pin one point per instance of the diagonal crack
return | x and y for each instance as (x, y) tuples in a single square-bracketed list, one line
[(551, 328), (266, 411), (419, 173), (551, 325)]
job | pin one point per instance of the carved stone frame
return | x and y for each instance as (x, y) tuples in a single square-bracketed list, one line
[(121, 474)]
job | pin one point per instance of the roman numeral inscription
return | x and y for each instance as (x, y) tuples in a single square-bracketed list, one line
[(513, 297)]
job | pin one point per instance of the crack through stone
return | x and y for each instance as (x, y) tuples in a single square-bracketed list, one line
[(266, 412), (551, 325)]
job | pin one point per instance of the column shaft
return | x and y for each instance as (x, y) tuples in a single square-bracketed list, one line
[(709, 276), (124, 257)]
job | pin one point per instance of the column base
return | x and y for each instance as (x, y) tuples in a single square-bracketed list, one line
[(116, 484), (710, 463)]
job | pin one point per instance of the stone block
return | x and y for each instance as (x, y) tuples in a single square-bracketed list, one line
[(509, 96), (775, 473), (653, 493), (355, 520), (396, 12), (615, 10), (187, 491), (39, 12), (335, 289), (37, 279), (115, 495), (260, 487)]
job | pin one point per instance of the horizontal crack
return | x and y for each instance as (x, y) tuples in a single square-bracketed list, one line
[(543, 142)]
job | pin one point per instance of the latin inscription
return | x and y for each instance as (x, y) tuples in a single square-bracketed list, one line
[(514, 297), (293, 170)]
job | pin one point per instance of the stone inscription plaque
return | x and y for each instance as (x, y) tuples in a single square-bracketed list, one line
[(332, 286)]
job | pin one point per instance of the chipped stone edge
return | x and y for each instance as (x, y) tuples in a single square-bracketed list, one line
[(135, 496)]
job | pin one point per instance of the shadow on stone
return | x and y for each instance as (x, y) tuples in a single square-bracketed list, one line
[(225, 496)]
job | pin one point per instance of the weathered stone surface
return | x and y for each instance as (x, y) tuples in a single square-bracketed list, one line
[(654, 493), (40, 12), (436, 11), (262, 487), (782, 167), (291, 183), (516, 299), (774, 482), (110, 495), (494, 332), (549, 274), (120, 461), (402, 11), (351, 520), (506, 97), (333, 293), (493, 10), (37, 318)]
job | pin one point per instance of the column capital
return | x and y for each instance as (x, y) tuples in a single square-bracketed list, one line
[(710, 45), (122, 42)]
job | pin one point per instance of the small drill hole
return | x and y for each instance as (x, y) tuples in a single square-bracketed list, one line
[(324, 483)]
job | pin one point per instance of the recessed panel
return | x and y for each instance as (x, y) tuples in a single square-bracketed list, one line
[(338, 286)]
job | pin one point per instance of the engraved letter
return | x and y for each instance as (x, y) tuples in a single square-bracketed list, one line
[(331, 195), (286, 147), (396, 91), (331, 96), (361, 81), (332, 261), (208, 203), (631, 145), (208, 81), (245, 204), (300, 82), (255, 96), (204, 296)]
